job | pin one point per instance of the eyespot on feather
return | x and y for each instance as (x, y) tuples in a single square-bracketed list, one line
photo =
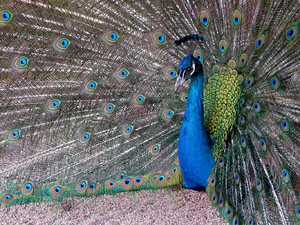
[(243, 142), (257, 107), (56, 191), (249, 81), (20, 63), (236, 178), (223, 45), (61, 44), (235, 220), (161, 179), (198, 55), (53, 105), (212, 181), (155, 149), (250, 221), (297, 211), (243, 59), (168, 179), (127, 130), (168, 114), (262, 145), (84, 137), (216, 68), (236, 18), (285, 126), (138, 181), (221, 162), (126, 184), (223, 69), (204, 18), (121, 176), (242, 101), (110, 184), (14, 135), (139, 99), (159, 39), (260, 41), (240, 79), (232, 63), (27, 188), (82, 186), (285, 176), (220, 201), (228, 212), (154, 178), (7, 198), (92, 188), (5, 17), (174, 170), (111, 37), (91, 86), (170, 73), (258, 184), (121, 74), (242, 120), (274, 83), (213, 198), (109, 108), (292, 32), (184, 97)]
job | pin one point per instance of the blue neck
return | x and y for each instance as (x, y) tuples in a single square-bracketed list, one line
[(194, 151)]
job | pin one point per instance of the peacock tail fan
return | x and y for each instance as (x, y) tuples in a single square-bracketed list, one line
[(88, 103), (87, 98), (252, 108)]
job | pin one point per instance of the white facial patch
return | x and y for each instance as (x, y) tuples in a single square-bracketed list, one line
[(194, 67)]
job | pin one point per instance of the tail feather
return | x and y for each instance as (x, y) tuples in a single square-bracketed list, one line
[(83, 101), (260, 165)]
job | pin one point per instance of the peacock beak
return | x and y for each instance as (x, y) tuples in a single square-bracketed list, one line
[(180, 79)]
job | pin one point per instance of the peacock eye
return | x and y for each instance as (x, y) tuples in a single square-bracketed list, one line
[(121, 74), (27, 188), (109, 108), (56, 191), (139, 100), (5, 17), (21, 62), (189, 69), (92, 186), (155, 149), (53, 105), (159, 38), (168, 114), (127, 130), (91, 86), (84, 137), (14, 135), (111, 37), (61, 44)]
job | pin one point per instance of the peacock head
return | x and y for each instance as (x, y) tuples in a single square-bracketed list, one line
[(189, 66)]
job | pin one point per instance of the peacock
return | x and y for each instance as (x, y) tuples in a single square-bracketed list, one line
[(105, 96)]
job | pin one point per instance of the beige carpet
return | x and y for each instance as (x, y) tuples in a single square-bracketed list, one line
[(165, 206)]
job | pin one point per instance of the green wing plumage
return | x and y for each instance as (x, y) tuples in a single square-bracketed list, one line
[(254, 114)]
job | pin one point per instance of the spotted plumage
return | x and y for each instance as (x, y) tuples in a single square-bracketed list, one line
[(88, 102)]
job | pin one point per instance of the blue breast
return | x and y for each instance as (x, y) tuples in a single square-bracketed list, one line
[(194, 151)]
